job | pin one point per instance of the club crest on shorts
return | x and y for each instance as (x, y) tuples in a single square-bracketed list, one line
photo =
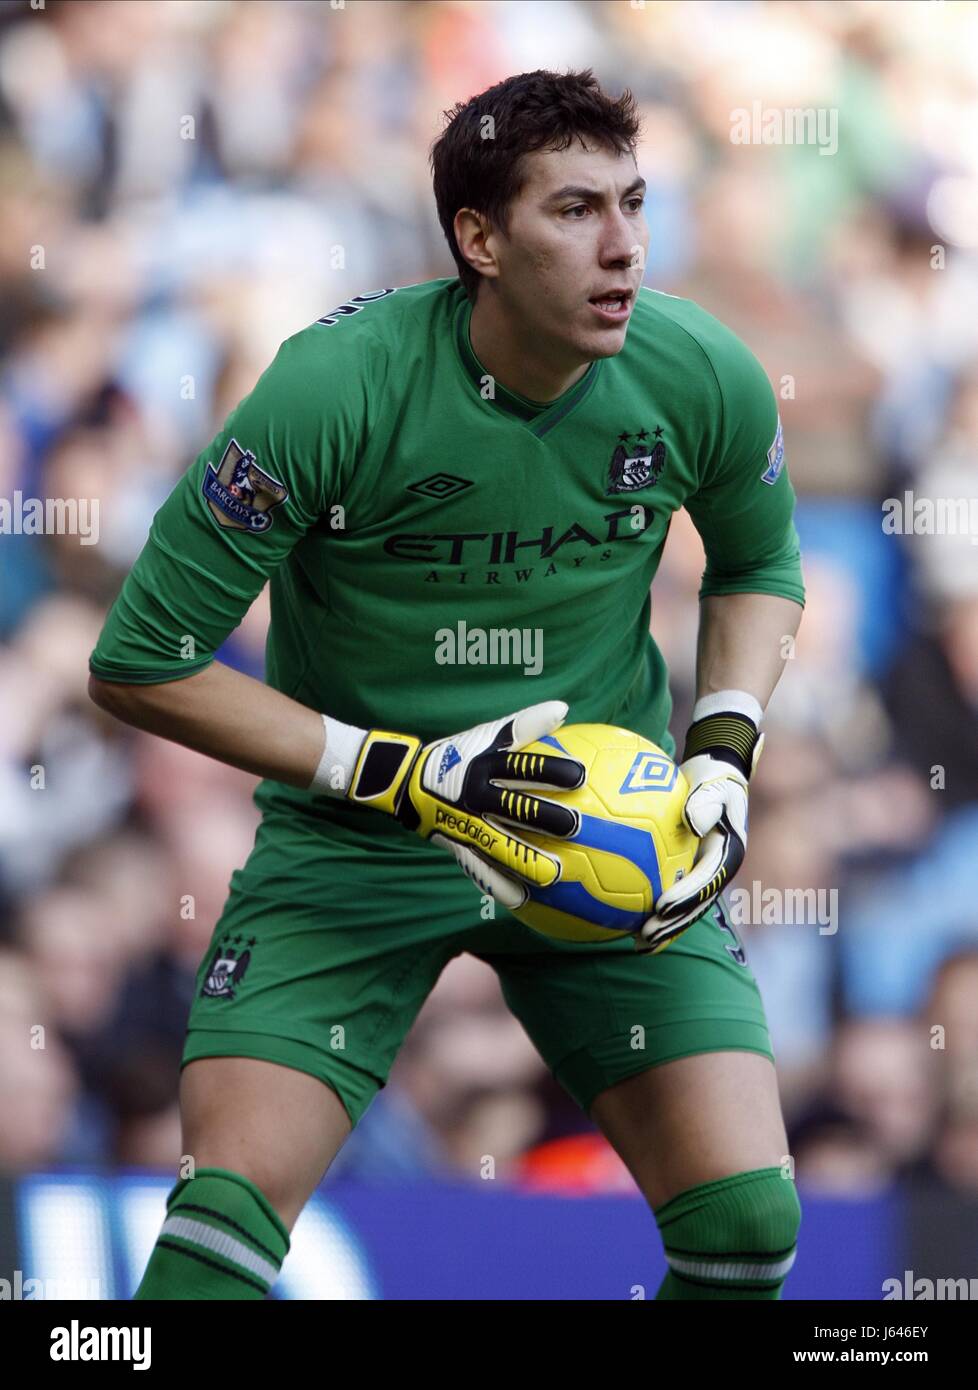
[(641, 468), (241, 495), (227, 968)]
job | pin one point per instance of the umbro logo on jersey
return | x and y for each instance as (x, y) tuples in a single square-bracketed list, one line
[(440, 485), (642, 467)]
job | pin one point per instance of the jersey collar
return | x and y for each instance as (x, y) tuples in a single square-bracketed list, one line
[(540, 417)]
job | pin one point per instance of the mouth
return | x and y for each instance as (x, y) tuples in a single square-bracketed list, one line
[(613, 305)]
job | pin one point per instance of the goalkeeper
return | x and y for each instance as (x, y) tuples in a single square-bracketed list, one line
[(504, 448)]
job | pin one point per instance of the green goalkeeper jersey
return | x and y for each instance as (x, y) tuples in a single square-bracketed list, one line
[(441, 550)]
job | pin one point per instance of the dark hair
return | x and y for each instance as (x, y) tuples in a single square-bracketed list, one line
[(531, 111)]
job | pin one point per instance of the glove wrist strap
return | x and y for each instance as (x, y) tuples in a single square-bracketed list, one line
[(729, 736), (728, 702), (381, 774)]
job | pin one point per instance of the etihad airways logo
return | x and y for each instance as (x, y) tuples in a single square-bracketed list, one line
[(509, 547)]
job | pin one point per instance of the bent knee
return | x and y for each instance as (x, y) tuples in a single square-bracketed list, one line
[(738, 1232)]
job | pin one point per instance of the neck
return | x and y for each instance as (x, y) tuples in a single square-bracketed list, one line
[(501, 346)]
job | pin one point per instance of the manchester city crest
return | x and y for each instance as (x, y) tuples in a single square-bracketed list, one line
[(227, 968), (641, 468), (241, 495)]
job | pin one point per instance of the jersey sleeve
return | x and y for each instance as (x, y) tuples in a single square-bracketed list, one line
[(248, 498), (743, 508)]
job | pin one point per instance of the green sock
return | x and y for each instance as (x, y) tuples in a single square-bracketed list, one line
[(221, 1239), (730, 1239)]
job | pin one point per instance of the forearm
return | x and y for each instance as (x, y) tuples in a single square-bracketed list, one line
[(228, 716), (742, 644)]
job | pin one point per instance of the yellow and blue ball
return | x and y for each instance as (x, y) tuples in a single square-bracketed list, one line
[(632, 842)]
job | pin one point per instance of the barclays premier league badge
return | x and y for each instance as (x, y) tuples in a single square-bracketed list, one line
[(775, 457), (241, 495)]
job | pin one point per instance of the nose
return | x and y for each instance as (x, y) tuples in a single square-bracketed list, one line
[(622, 247)]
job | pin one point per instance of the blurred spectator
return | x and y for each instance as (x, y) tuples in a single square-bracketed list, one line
[(38, 1085), (461, 1094), (837, 1155), (884, 1076)]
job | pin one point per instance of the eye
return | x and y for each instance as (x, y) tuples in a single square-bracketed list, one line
[(638, 201), (579, 207)]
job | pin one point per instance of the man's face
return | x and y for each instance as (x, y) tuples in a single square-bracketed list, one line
[(577, 232)]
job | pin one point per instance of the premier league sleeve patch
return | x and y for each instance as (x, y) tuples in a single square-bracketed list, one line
[(775, 457), (241, 495)]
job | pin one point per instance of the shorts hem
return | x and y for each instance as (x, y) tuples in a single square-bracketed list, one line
[(594, 1068), (354, 1086)]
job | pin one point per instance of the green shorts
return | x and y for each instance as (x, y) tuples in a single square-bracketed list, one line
[(331, 940)]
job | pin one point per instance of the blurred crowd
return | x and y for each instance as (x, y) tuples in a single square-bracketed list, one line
[(184, 185)]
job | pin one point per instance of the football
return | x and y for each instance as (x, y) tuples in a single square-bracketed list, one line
[(632, 842)]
